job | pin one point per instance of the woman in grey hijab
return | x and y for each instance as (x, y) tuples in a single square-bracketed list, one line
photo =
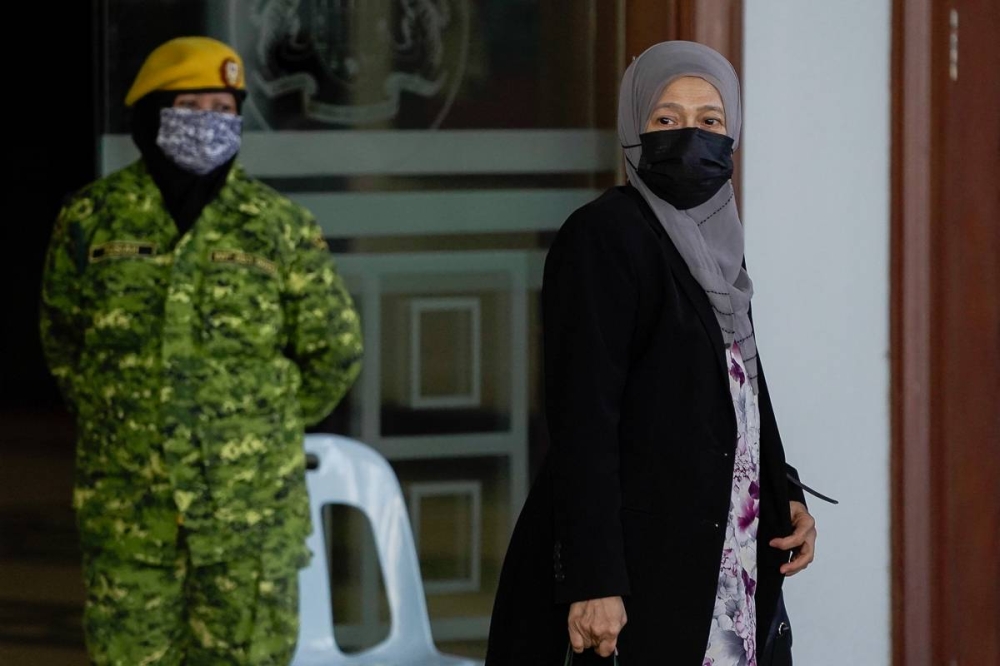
[(664, 518)]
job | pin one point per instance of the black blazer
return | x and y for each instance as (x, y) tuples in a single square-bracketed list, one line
[(634, 494)]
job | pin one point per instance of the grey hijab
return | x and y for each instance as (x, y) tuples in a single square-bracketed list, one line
[(710, 236)]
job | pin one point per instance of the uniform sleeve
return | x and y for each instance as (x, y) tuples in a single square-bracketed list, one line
[(590, 300), (61, 324), (324, 327)]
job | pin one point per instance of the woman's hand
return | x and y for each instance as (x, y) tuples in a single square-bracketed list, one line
[(803, 538), (596, 623)]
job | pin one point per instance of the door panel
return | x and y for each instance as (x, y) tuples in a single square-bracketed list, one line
[(946, 333)]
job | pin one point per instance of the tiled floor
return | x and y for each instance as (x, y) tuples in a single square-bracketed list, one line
[(41, 594)]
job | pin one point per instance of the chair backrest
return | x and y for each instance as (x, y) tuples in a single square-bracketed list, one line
[(356, 475)]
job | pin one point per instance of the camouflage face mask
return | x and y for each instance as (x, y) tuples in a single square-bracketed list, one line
[(199, 141)]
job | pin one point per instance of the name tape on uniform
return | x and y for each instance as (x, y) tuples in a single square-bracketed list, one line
[(244, 259), (115, 249)]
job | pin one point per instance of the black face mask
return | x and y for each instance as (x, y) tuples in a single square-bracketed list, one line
[(685, 167)]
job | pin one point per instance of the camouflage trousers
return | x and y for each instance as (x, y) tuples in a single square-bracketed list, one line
[(227, 613)]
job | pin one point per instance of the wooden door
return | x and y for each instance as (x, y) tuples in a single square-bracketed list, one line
[(946, 333)]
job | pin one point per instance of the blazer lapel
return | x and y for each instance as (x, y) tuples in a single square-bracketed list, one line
[(700, 299), (690, 286)]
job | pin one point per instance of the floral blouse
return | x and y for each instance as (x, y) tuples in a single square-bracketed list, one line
[(731, 641)]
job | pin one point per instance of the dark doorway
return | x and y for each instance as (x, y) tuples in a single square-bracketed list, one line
[(50, 154)]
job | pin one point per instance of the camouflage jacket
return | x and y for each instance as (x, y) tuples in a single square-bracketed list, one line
[(193, 363)]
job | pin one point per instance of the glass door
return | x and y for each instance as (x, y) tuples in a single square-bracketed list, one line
[(440, 143)]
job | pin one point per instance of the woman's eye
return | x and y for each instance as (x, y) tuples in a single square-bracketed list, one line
[(665, 121), (712, 121)]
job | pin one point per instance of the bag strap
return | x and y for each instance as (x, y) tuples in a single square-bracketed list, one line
[(811, 491), (569, 656)]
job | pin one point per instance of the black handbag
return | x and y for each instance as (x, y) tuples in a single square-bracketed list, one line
[(778, 647)]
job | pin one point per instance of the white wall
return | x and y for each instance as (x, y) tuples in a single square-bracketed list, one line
[(816, 208)]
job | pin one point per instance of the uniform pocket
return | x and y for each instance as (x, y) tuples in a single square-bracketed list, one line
[(252, 463), (124, 297), (236, 451), (241, 303)]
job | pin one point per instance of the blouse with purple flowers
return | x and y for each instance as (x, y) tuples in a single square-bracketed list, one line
[(731, 641)]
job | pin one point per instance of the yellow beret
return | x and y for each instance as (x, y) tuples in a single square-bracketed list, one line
[(188, 63)]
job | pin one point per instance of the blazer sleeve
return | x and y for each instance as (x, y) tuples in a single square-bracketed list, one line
[(769, 429), (590, 300), (769, 434)]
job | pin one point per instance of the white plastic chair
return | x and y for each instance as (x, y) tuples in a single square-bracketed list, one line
[(354, 474)]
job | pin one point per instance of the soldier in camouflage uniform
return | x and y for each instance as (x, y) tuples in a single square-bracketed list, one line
[(195, 322)]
